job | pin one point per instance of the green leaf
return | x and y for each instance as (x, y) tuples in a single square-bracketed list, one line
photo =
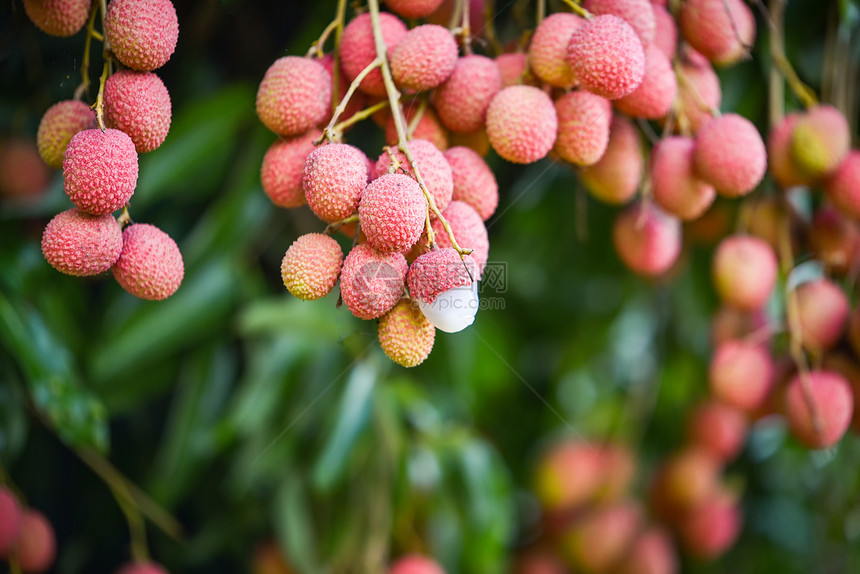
[(294, 526)]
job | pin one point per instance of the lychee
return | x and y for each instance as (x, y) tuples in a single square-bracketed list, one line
[(415, 564), (138, 104), (822, 312), (685, 481), (674, 182), (311, 266), (637, 13), (548, 49), (358, 50), (603, 537), (744, 271), (834, 404), (356, 103), (468, 229), (834, 240), (653, 98), (712, 528), (100, 170), (584, 121), (424, 58), (780, 159), (142, 35), (646, 239), (615, 177), (653, 552), (569, 475), (730, 155), (721, 30), (741, 374), (36, 547), (23, 175), (77, 243), (413, 8), (699, 90), (406, 335), (522, 124), (619, 470), (462, 100), (294, 96), (718, 428), (284, 168), (58, 17), (476, 141), (428, 128), (446, 288), (665, 31), (141, 568), (474, 182), (731, 324), (150, 265), (768, 218), (434, 169), (392, 212), (10, 521), (607, 57), (335, 175), (62, 121), (371, 282), (514, 68), (848, 367), (820, 141), (843, 185)]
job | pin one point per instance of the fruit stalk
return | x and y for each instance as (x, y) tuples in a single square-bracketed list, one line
[(85, 64), (329, 131)]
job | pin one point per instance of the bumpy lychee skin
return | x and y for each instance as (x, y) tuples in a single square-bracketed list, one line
[(371, 282), (436, 272), (584, 120), (462, 100), (822, 312), (741, 374), (712, 528), (665, 31), (782, 165), (820, 141), (294, 96), (413, 8), (415, 564), (311, 266), (77, 243), (150, 265), (615, 177), (653, 552), (138, 104), (58, 17), (10, 521), (36, 547), (843, 186), (424, 58), (721, 30), (428, 128), (522, 124), (730, 154), (744, 272), (637, 13), (357, 49), (100, 170), (601, 539), (392, 212), (718, 428), (514, 69), (142, 35), (607, 57), (834, 240), (59, 124), (283, 169), (569, 475), (699, 92), (22, 172), (434, 169), (335, 175), (674, 182), (654, 97), (406, 335), (548, 49), (469, 231), (647, 239), (141, 568), (474, 182), (834, 405)]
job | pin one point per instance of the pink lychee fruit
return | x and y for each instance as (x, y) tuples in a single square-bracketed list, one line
[(744, 271), (584, 121), (602, 538), (674, 182), (833, 406), (335, 175), (424, 58), (371, 282), (462, 100), (438, 271), (783, 167), (654, 97), (432, 165), (77, 243), (741, 374), (100, 170), (732, 324), (607, 57), (283, 169), (514, 68), (822, 312), (142, 35), (150, 265), (311, 266), (428, 128), (294, 95), (10, 521), (23, 175), (358, 49), (843, 185), (638, 13), (548, 49), (712, 528), (59, 124), (619, 470), (468, 229), (653, 552), (616, 176), (721, 30), (820, 141), (718, 428), (686, 480), (834, 240), (647, 240), (138, 104), (665, 31), (58, 17), (699, 91), (568, 475), (522, 124), (845, 365), (730, 155), (415, 564), (141, 568), (392, 212), (406, 335), (36, 547), (413, 8), (474, 182)]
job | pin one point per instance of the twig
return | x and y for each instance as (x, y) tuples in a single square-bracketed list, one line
[(416, 119), (318, 45), (465, 31), (328, 132), (359, 116), (334, 226), (85, 64), (100, 99), (777, 53), (579, 10)]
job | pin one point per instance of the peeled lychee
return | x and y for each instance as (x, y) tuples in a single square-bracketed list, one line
[(568, 475), (150, 265), (474, 182), (674, 182), (843, 186), (58, 17), (718, 428), (646, 239), (834, 405), (424, 58), (820, 141), (548, 49), (607, 57), (77, 243), (615, 177), (780, 159), (142, 35), (36, 547), (406, 335), (438, 271), (522, 124), (59, 124), (428, 128), (654, 97), (744, 271), (721, 30), (730, 155), (653, 552), (335, 175), (665, 31), (469, 231), (392, 212), (712, 528), (100, 170), (138, 104), (741, 374), (584, 120), (371, 282), (462, 100), (10, 521), (294, 96), (141, 568), (603, 537), (434, 169), (415, 564), (822, 312), (358, 50), (699, 90), (637, 13), (311, 266), (284, 168), (413, 8)]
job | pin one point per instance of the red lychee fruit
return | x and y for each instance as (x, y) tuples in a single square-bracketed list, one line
[(150, 265), (514, 68), (468, 229), (58, 17), (284, 168), (717, 428), (311, 266), (848, 367), (619, 470), (335, 175), (142, 35), (36, 547), (607, 57), (615, 177), (434, 273), (474, 182), (406, 335), (10, 521), (685, 481), (62, 121), (732, 324), (584, 121), (568, 475), (834, 404), (548, 49), (77, 243), (141, 568), (138, 104), (428, 128), (392, 213), (462, 100), (358, 50), (730, 155), (712, 528), (843, 186), (665, 31), (780, 160), (854, 330), (674, 182), (741, 374), (294, 96), (820, 141), (413, 8), (638, 13), (432, 165), (822, 312), (424, 58), (721, 30), (653, 552), (445, 13), (522, 124), (834, 240), (654, 97), (371, 282), (100, 170), (744, 272), (699, 90), (23, 175), (415, 564), (647, 240), (603, 537)]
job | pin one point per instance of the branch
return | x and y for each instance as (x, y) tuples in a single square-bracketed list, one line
[(329, 131)]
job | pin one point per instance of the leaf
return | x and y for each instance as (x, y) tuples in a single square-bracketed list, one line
[(293, 525)]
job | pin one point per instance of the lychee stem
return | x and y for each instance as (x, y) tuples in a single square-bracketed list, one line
[(100, 99), (329, 132), (335, 225), (465, 31), (316, 48), (579, 10), (359, 116), (413, 123), (804, 93), (84, 86), (124, 217), (541, 12)]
